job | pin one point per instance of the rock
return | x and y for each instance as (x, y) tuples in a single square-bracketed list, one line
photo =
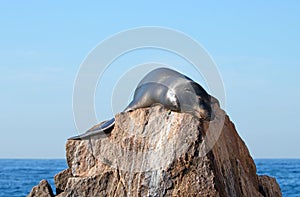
[(61, 180), (268, 186), (158, 152), (43, 189)]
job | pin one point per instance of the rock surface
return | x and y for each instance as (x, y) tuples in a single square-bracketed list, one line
[(157, 152), (268, 186), (61, 180), (43, 189)]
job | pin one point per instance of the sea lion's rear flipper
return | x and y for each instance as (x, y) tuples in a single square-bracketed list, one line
[(100, 130)]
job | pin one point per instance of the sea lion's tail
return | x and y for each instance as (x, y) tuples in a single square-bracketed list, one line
[(100, 130)]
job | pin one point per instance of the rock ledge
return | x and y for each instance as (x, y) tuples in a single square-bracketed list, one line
[(157, 152)]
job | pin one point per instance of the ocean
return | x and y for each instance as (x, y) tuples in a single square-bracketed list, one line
[(286, 172), (18, 176)]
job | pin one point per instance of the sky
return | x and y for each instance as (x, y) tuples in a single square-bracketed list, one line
[(255, 46)]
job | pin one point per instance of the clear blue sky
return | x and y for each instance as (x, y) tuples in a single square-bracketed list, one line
[(256, 46)]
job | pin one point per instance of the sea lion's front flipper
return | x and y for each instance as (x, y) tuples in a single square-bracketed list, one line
[(99, 130)]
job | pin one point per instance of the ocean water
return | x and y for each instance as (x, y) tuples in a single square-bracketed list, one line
[(18, 176), (286, 172)]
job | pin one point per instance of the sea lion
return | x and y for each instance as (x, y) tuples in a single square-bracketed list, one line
[(169, 88)]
